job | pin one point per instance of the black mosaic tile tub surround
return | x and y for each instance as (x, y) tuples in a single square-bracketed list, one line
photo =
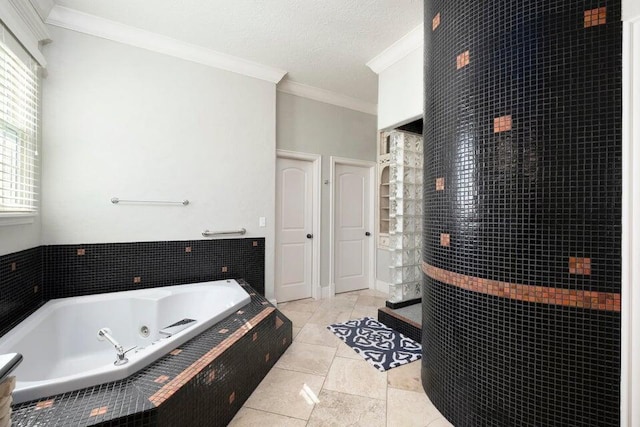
[(522, 211), (202, 383), (30, 278), (74, 270), (20, 286)]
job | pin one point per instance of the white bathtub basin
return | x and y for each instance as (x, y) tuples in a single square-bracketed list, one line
[(61, 349)]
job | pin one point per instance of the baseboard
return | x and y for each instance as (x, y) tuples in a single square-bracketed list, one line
[(382, 286), (326, 292), (395, 305)]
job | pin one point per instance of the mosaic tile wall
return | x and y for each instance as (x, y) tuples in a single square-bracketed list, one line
[(20, 286), (522, 211), (30, 278), (73, 270)]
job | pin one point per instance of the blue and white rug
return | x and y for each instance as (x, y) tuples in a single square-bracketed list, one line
[(379, 345)]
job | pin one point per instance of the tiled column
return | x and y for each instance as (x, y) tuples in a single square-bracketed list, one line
[(522, 211)]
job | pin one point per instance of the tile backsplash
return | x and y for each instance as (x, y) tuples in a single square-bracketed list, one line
[(31, 277)]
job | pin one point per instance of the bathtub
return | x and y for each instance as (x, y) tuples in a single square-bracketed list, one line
[(63, 352)]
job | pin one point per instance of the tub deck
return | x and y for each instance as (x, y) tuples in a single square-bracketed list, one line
[(207, 378)]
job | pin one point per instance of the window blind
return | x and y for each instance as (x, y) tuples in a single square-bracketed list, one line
[(19, 111)]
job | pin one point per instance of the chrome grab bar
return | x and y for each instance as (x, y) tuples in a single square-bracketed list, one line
[(116, 200), (207, 233)]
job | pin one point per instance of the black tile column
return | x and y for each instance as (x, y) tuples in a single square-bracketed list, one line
[(522, 211)]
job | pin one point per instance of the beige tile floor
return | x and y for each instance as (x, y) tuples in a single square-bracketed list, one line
[(319, 381)]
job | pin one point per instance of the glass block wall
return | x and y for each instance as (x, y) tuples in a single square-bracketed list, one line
[(405, 226)]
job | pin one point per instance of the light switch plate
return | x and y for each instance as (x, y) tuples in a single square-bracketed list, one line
[(262, 222)]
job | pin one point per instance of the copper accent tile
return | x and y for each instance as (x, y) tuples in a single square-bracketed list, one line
[(199, 365), (232, 397), (255, 243), (266, 357), (439, 184), (223, 331), (225, 269), (435, 22), (98, 411), (161, 379), (211, 376), (14, 266), (284, 341), (593, 17), (445, 239), (81, 252), (240, 312), (255, 336), (176, 352), (462, 60), (187, 249), (265, 302), (501, 124), (35, 289), (580, 266), (279, 322), (44, 404), (137, 279), (539, 294)]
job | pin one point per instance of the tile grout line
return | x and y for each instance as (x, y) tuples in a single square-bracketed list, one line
[(269, 412), (335, 355), (322, 387)]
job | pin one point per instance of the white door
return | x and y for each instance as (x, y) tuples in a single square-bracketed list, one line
[(352, 221), (294, 228)]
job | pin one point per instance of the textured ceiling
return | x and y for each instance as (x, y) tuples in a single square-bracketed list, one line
[(322, 43)]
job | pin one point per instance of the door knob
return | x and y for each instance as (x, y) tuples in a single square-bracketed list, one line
[(309, 236), (367, 233)]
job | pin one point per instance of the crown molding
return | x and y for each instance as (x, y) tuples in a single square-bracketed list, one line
[(327, 96), (72, 19), (31, 19), (411, 41), (25, 23), (43, 7)]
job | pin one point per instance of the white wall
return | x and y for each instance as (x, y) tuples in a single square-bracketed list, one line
[(630, 360), (401, 91), (309, 126), (382, 265), (400, 100), (122, 121), (14, 238), (630, 9)]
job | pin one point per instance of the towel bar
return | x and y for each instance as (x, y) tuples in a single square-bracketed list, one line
[(207, 233), (116, 200)]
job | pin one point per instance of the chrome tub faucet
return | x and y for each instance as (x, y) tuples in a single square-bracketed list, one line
[(121, 359)]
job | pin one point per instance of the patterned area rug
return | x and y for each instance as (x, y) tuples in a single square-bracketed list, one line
[(379, 345)]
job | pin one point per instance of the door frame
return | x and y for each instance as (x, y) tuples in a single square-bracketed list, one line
[(333, 161), (630, 313), (316, 161)]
